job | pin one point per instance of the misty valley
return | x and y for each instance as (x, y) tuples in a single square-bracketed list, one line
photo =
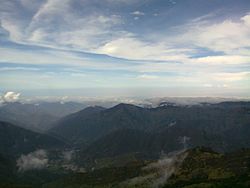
[(165, 144)]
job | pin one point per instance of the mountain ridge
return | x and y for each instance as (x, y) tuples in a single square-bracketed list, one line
[(202, 124)]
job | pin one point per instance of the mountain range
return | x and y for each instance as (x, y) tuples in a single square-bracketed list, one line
[(223, 127), (84, 146)]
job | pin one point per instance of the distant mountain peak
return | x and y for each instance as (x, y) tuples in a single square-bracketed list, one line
[(126, 106)]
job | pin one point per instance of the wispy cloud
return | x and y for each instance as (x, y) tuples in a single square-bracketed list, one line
[(2, 69)]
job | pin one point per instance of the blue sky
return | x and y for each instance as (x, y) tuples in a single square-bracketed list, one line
[(188, 47)]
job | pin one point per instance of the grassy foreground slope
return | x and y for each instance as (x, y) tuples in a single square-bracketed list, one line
[(200, 168)]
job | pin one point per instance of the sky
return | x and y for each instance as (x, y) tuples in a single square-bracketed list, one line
[(125, 47)]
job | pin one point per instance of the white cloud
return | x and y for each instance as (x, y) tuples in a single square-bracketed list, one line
[(11, 20), (227, 36), (52, 25), (35, 160), (224, 59), (3, 69), (172, 2), (10, 96), (59, 57), (133, 48), (14, 30), (138, 13), (246, 19)]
